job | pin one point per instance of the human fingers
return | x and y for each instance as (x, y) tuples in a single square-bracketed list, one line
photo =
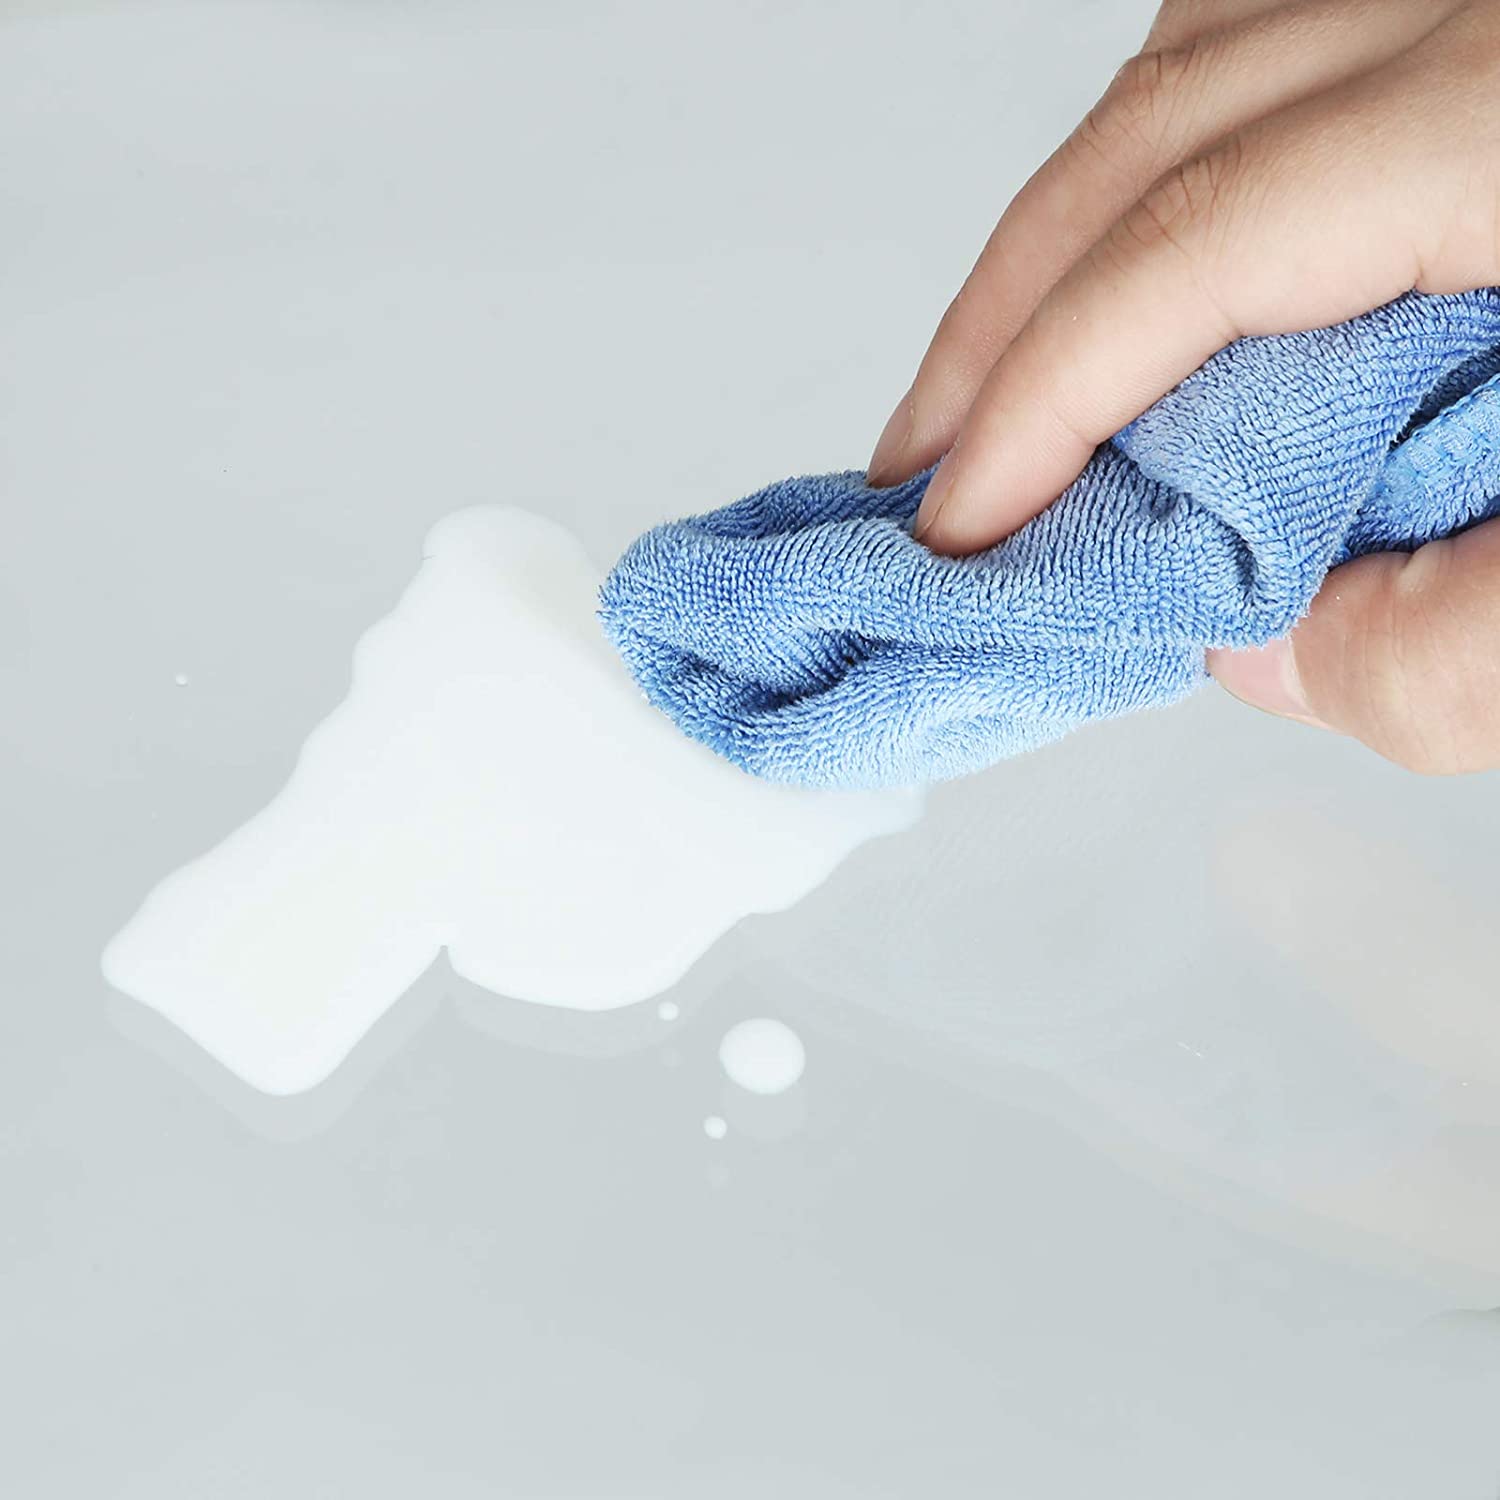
[(1399, 651), (1304, 219), (1170, 102)]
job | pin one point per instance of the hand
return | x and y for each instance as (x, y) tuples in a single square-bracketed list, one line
[(1259, 168), (1399, 650)]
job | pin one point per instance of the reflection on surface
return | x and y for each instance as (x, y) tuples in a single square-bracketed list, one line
[(1406, 961), (1409, 958), (281, 1117), (1296, 1011)]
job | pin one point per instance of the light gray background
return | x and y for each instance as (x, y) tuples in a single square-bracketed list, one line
[(1149, 1138)]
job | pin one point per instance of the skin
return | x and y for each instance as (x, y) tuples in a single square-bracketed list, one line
[(1258, 168)]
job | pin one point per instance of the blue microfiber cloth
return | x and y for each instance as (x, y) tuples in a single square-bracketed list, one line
[(803, 634)]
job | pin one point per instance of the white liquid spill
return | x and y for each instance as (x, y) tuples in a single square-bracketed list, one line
[(668, 1010), (763, 1056), (715, 1127), (493, 784)]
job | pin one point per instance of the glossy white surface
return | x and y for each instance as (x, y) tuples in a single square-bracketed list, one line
[(1152, 1144)]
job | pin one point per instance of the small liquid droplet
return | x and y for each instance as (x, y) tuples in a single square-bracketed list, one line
[(763, 1056), (715, 1127), (181, 679), (668, 1010)]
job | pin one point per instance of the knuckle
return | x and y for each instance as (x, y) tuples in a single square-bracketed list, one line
[(1148, 83), (1139, 106), (1164, 214), (1189, 205), (1137, 83)]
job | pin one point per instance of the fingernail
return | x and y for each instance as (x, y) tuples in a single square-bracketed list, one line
[(939, 487), (1265, 677), (892, 442)]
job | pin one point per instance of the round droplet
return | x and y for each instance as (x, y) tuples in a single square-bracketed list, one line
[(763, 1056), (715, 1127), (668, 1010), (181, 679)]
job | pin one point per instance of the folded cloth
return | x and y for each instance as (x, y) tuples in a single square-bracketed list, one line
[(803, 634)]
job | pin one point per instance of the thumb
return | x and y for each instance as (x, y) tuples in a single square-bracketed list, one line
[(1399, 650)]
